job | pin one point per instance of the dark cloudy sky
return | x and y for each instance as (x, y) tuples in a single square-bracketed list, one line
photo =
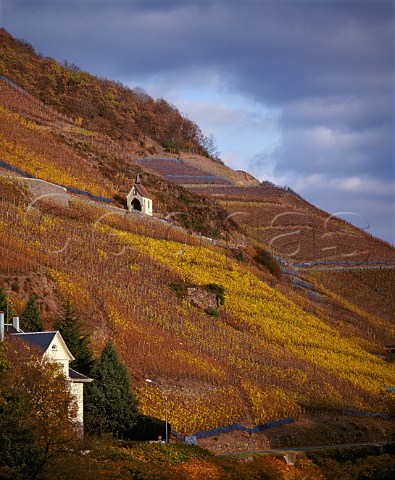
[(299, 92)]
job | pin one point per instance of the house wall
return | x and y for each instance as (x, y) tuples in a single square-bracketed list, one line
[(57, 353), (77, 389)]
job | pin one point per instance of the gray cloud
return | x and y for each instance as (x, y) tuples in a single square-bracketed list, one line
[(326, 66), (275, 51), (324, 149)]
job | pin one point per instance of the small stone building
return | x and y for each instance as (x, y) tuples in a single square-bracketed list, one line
[(139, 199)]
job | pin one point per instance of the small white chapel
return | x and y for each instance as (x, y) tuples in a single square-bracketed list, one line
[(139, 199)]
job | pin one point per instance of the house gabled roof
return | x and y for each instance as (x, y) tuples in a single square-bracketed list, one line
[(10, 328), (78, 377), (43, 340)]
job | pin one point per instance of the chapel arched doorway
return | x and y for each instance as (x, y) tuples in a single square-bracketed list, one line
[(136, 205)]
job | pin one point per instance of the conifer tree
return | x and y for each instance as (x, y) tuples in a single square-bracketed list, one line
[(30, 320), (70, 327), (110, 406), (5, 306)]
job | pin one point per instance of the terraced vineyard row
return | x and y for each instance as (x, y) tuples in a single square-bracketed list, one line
[(292, 228), (237, 193), (177, 171), (369, 290), (19, 101)]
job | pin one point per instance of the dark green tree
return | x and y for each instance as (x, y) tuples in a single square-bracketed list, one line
[(110, 406), (30, 319), (70, 327), (5, 306)]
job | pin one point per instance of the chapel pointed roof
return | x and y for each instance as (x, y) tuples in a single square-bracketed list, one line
[(141, 189)]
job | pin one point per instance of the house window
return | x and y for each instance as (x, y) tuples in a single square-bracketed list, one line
[(54, 348)]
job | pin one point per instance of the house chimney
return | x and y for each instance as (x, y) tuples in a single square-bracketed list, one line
[(15, 323), (138, 178), (1, 326)]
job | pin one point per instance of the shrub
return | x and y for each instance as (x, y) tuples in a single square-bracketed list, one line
[(262, 468), (266, 259), (212, 311), (179, 288), (240, 257), (169, 146), (369, 468), (219, 290)]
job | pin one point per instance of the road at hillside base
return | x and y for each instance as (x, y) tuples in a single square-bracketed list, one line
[(304, 449)]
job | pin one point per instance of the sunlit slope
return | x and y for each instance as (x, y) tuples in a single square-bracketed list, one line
[(363, 298), (34, 150), (264, 358)]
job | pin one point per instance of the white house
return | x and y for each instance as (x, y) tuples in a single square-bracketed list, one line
[(55, 350), (139, 199)]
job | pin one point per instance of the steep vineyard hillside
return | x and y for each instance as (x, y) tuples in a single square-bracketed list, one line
[(271, 353), (38, 141), (275, 217), (291, 227), (305, 340)]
